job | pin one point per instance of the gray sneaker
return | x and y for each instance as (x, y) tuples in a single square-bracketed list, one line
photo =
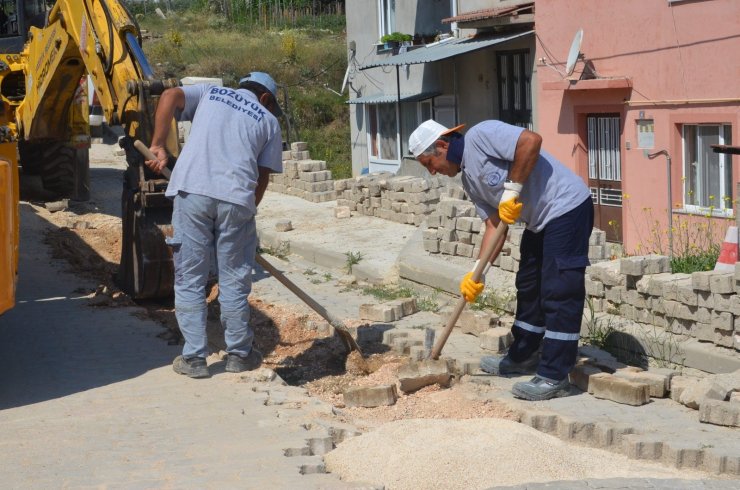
[(502, 365), (539, 388), (194, 367), (238, 364)]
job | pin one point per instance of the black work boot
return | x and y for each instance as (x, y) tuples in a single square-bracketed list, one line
[(539, 388), (194, 367), (238, 364), (503, 365)]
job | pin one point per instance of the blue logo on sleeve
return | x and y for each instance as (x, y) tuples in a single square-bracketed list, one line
[(494, 178)]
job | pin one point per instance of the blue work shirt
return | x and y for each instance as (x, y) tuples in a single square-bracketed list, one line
[(550, 191), (232, 134)]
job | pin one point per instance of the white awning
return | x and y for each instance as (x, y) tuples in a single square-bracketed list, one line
[(392, 98)]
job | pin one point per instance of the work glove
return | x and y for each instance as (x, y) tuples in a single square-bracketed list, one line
[(509, 208), (471, 289)]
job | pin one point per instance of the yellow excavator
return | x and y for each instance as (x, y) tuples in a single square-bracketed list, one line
[(45, 53)]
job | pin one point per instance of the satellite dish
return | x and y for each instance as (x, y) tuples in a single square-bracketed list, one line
[(574, 53)]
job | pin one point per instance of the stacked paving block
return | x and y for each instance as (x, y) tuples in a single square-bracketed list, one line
[(601, 375), (642, 289), (716, 397), (454, 228), (303, 177), (401, 199), (389, 311)]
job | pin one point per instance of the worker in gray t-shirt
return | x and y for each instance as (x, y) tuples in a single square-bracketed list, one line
[(509, 178), (217, 183)]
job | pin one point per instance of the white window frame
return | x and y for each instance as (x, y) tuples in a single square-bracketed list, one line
[(725, 208), (376, 163), (430, 110), (386, 17)]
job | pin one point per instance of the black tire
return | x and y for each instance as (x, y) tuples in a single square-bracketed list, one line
[(63, 170), (58, 169)]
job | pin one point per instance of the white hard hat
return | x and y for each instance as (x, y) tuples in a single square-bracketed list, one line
[(426, 134)]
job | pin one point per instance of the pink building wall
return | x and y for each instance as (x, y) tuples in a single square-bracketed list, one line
[(675, 63)]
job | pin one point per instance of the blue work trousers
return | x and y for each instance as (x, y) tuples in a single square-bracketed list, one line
[(204, 227), (551, 292)]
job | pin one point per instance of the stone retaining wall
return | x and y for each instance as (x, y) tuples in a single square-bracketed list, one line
[(702, 305), (400, 199)]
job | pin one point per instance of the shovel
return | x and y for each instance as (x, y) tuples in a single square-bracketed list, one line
[(349, 341), (488, 255)]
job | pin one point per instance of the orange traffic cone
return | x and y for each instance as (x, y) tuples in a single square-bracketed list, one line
[(728, 252)]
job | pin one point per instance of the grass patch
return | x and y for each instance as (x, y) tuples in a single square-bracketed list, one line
[(700, 261), (492, 300), (353, 258), (389, 293)]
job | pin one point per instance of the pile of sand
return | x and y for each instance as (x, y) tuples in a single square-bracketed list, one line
[(476, 453)]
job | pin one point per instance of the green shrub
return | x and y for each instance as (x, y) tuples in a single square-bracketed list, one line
[(396, 37), (693, 242)]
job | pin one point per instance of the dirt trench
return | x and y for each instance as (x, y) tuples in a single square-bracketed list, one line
[(295, 341)]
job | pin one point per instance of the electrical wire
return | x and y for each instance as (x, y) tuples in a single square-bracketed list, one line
[(317, 75), (680, 57), (546, 50)]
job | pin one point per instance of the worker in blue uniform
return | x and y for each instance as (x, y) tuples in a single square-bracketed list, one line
[(510, 178)]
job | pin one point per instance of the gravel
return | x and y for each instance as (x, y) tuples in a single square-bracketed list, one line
[(476, 453)]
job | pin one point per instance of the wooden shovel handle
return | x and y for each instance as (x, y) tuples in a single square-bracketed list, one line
[(335, 322), (144, 150), (486, 258)]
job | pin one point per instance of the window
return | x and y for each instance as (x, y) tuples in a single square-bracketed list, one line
[(382, 131), (386, 17), (707, 175), (515, 92), (8, 19)]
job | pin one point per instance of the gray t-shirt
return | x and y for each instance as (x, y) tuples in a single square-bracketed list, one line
[(551, 190), (232, 134)]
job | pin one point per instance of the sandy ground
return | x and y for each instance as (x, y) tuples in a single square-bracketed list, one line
[(473, 454)]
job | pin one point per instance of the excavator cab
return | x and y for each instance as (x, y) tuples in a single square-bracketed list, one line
[(16, 16)]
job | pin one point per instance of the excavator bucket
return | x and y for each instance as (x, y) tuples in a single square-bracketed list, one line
[(146, 269)]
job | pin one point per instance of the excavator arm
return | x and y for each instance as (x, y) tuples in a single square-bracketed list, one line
[(97, 37), (101, 38)]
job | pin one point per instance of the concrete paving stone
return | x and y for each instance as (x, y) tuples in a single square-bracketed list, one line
[(720, 412), (610, 435), (682, 454), (643, 446), (572, 429), (320, 445), (543, 422), (370, 396), (718, 462), (496, 339), (580, 376), (627, 484), (705, 389), (414, 376), (619, 390), (657, 383)]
